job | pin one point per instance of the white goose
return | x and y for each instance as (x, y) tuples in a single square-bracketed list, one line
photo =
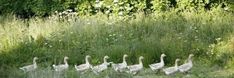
[(84, 67), (133, 69), (61, 67), (157, 66), (121, 66), (173, 69), (31, 67), (188, 65), (99, 68)]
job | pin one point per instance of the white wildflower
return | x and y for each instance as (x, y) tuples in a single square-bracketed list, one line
[(69, 10), (116, 1), (50, 46), (226, 8), (218, 39), (120, 13)]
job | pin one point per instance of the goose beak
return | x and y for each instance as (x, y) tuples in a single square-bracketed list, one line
[(141, 57), (66, 57), (191, 55), (163, 55), (107, 57), (35, 58), (177, 59)]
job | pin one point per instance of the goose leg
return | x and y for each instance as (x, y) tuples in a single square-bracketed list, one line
[(128, 72), (134, 73), (34, 74), (155, 71), (82, 72), (120, 70), (95, 72), (187, 73)]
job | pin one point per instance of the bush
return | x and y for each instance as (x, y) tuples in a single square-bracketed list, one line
[(44, 8), (223, 52)]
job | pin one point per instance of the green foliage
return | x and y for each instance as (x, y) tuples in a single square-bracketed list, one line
[(43, 8), (222, 52), (161, 5)]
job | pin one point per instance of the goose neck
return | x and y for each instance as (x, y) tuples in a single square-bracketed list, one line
[(176, 64), (105, 60), (65, 61), (140, 61), (124, 60), (161, 60), (190, 60), (34, 61), (86, 60)]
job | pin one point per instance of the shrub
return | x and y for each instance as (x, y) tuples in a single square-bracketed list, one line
[(44, 8), (222, 52)]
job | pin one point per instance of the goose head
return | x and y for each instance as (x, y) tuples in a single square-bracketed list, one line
[(87, 56), (86, 59), (163, 55), (65, 59), (105, 58), (140, 59), (161, 58), (176, 62), (125, 55), (191, 55), (34, 60), (190, 58)]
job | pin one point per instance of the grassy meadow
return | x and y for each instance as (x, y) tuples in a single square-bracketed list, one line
[(207, 35)]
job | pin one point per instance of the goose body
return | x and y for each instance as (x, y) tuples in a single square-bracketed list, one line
[(84, 67), (171, 70), (30, 67), (133, 69), (186, 66), (99, 68), (157, 66), (121, 66), (61, 67)]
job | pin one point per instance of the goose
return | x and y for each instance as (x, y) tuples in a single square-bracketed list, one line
[(120, 66), (186, 66), (171, 70), (99, 68), (133, 69), (157, 66), (61, 67), (83, 67), (31, 67)]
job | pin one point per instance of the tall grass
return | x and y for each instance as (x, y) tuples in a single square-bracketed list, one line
[(175, 34)]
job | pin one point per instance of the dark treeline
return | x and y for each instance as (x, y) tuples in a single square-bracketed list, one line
[(43, 8)]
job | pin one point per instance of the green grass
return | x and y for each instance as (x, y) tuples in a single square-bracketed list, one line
[(175, 34)]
